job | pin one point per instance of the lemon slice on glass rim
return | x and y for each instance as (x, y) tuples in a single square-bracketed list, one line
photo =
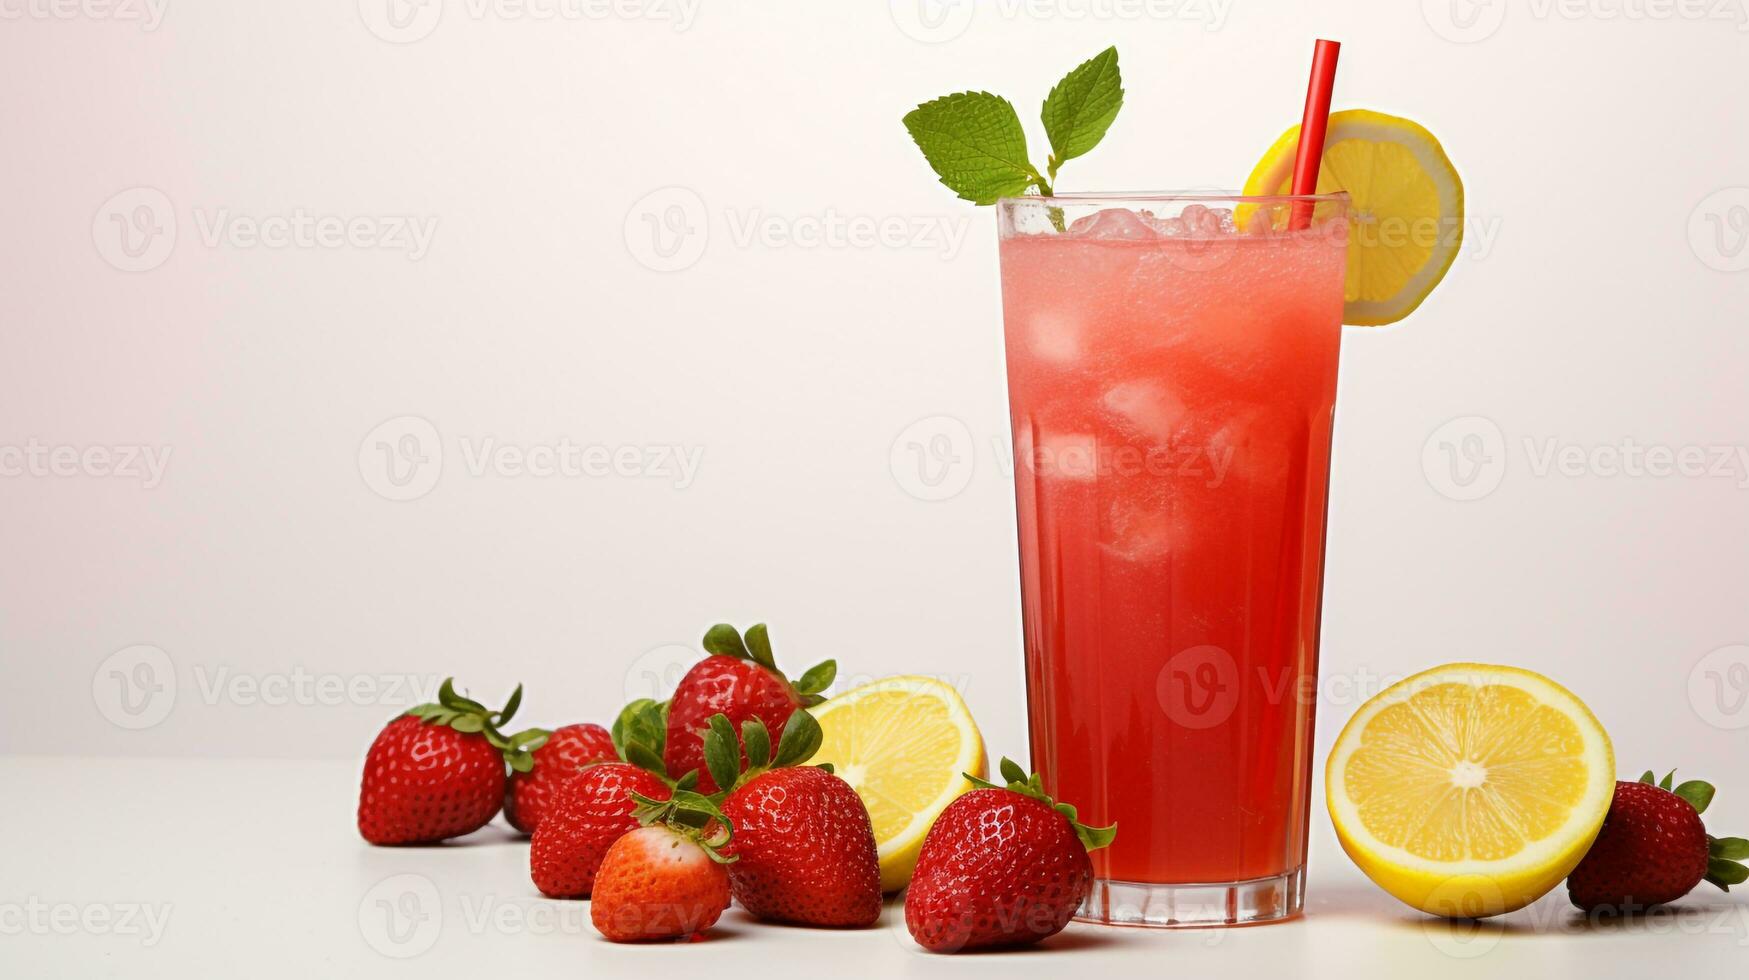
[(1468, 789), (904, 744), (1405, 209)]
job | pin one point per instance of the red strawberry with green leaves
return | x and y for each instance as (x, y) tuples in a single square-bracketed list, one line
[(597, 806), (1002, 866), (1653, 849), (804, 847), (437, 771), (740, 680), (666, 879), (567, 750)]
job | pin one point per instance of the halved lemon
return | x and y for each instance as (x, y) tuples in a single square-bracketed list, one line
[(1470, 790), (905, 744), (1405, 211)]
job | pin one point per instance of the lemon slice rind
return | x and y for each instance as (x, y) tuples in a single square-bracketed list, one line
[(1273, 176), (1510, 882)]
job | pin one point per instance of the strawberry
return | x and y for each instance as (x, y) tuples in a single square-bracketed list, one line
[(595, 807), (740, 680), (437, 771), (1001, 867), (569, 749), (1653, 849), (665, 880), (589, 812), (804, 846)]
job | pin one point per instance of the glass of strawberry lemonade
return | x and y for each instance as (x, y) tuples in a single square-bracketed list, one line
[(1172, 381)]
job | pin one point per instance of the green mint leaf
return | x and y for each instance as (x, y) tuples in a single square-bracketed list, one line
[(1081, 108), (1698, 794), (974, 142), (818, 678), (759, 642), (725, 641)]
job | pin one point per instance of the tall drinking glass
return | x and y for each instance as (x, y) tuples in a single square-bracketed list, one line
[(1172, 382)]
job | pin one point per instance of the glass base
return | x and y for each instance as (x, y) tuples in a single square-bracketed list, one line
[(1239, 903)]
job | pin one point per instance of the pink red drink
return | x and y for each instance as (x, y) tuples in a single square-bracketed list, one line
[(1171, 385)]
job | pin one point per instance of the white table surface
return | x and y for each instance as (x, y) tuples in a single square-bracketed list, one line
[(213, 868)]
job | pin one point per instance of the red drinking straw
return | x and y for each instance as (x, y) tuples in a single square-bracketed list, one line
[(1312, 126)]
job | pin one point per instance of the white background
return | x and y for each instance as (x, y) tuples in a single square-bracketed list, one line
[(1600, 300)]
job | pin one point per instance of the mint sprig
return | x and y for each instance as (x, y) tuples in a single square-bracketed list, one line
[(1081, 108), (975, 143)]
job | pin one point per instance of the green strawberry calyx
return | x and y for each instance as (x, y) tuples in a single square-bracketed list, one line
[(723, 640), (1725, 855), (1020, 781), (691, 815), (470, 717), (640, 734), (722, 755)]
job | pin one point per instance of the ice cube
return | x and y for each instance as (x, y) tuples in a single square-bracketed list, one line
[(1113, 224), (1143, 528), (1054, 336), (1172, 228), (1071, 456), (1224, 220), (1146, 408)]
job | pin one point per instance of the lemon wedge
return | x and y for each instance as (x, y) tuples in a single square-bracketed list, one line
[(1470, 790), (1405, 209), (905, 744)]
